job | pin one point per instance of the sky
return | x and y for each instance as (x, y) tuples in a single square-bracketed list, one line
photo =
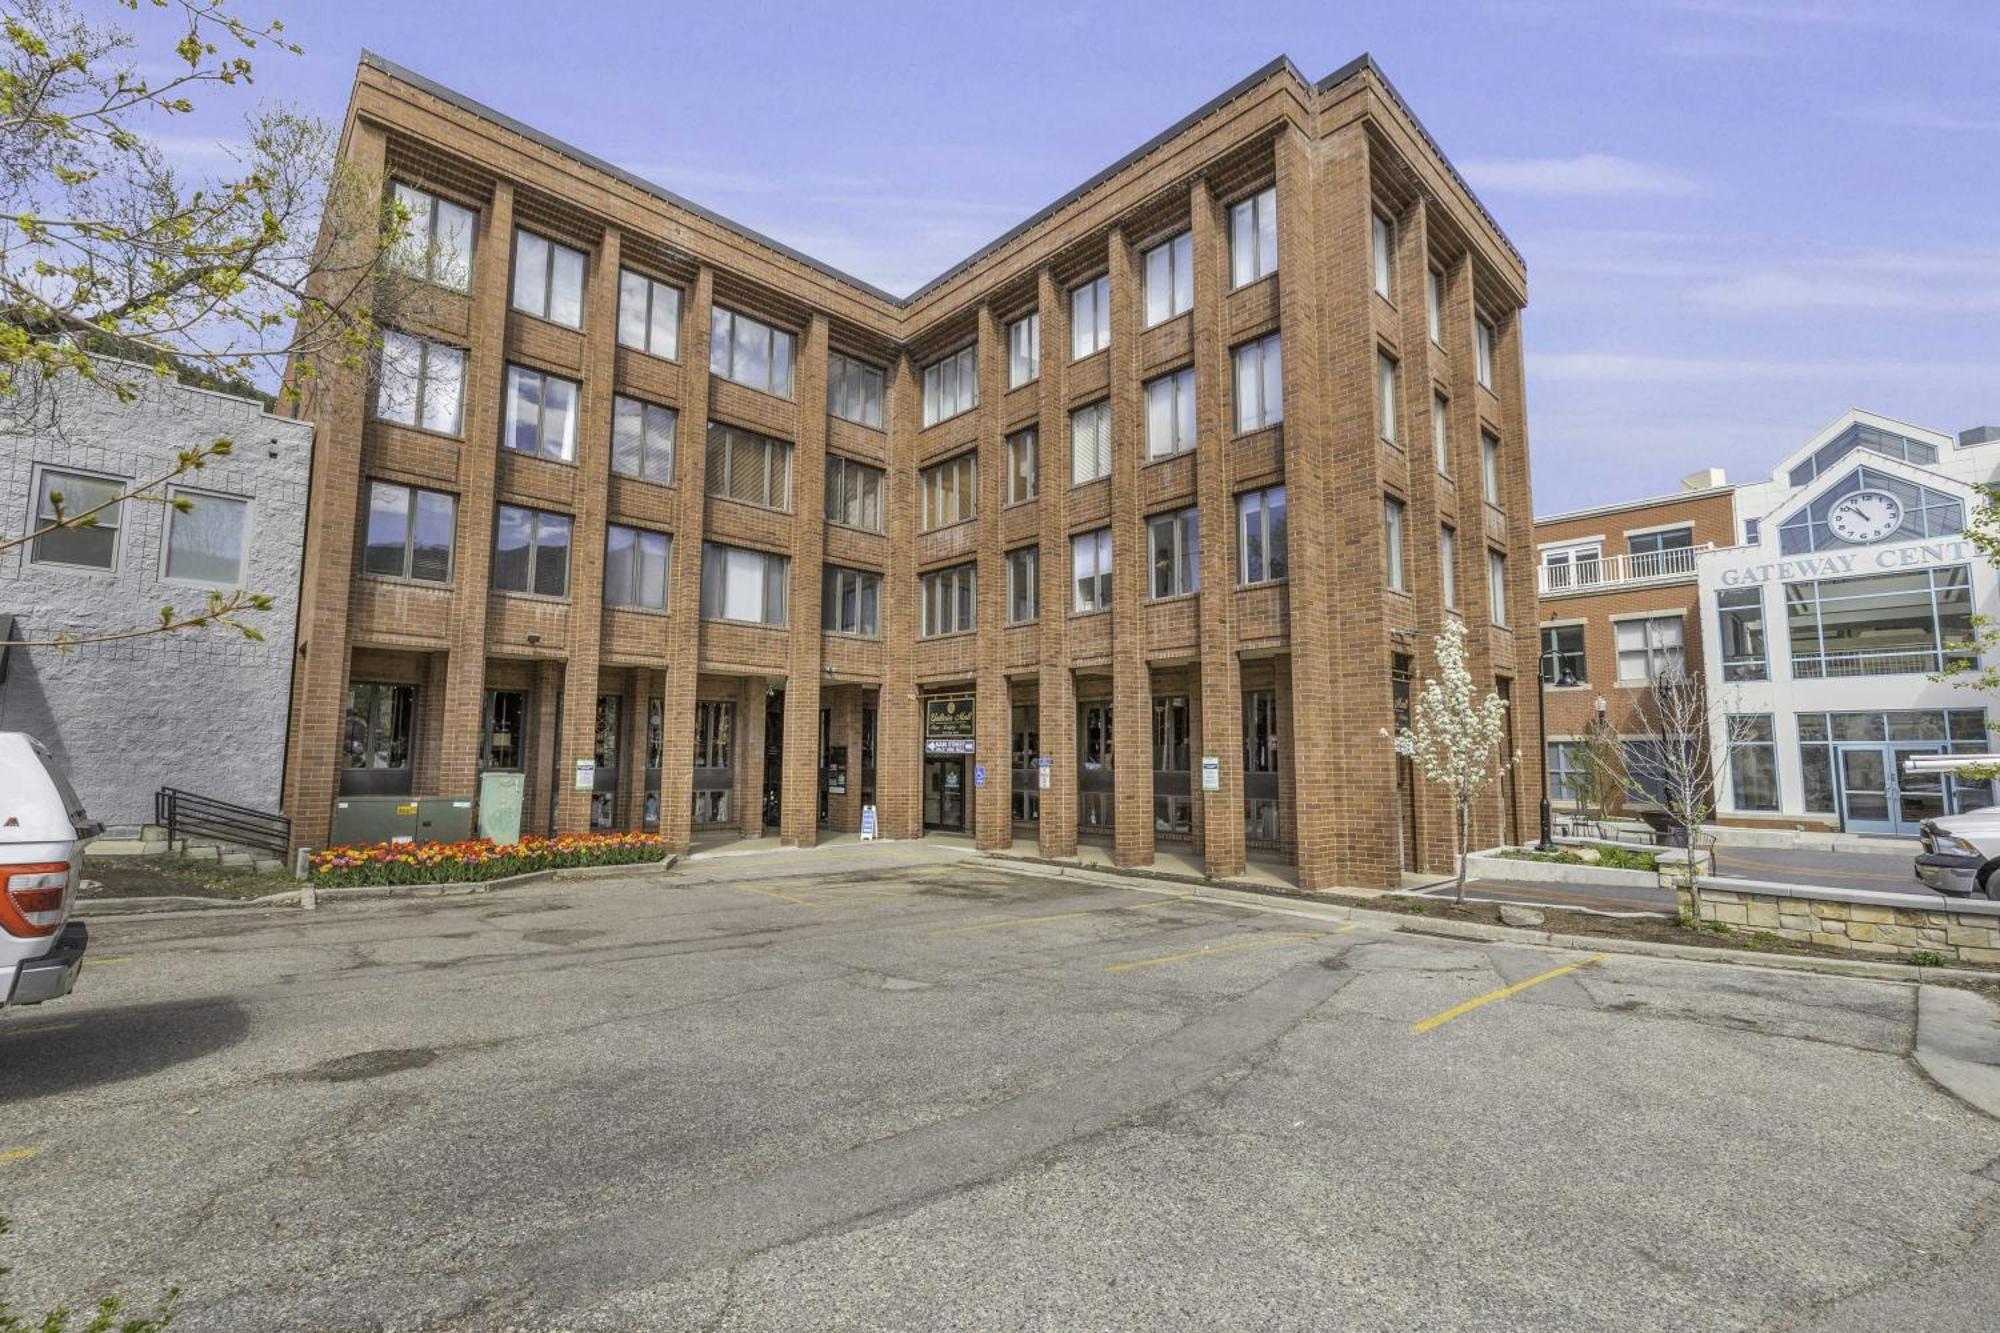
[(1741, 217)]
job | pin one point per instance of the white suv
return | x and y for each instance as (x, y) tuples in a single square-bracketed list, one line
[(43, 830)]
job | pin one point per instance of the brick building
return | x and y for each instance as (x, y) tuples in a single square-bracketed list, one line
[(697, 532)]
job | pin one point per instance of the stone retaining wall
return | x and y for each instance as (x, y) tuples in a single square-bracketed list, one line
[(1860, 923)]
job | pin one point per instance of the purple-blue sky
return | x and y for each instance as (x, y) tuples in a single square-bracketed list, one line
[(1741, 217)]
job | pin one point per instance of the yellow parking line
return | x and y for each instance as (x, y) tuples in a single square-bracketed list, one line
[(106, 962), (18, 1154), (1457, 1011), (1058, 916), (772, 893), (1209, 951), (46, 1027)]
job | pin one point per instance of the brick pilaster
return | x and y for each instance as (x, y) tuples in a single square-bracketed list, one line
[(993, 826), (899, 730), (799, 803), (1055, 686), (1131, 681), (684, 590)]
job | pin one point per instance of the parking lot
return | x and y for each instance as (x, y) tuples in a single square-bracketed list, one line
[(887, 1088)]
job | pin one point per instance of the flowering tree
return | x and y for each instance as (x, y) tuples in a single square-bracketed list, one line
[(1459, 736)]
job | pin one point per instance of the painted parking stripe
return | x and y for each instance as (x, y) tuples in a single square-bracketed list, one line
[(771, 893), (1058, 916), (1212, 950), (45, 1027), (18, 1154), (1460, 1010)]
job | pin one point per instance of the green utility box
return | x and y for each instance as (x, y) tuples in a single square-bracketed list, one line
[(364, 819), (444, 818), (500, 807)]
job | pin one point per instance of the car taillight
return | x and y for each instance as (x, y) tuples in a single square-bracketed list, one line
[(31, 897)]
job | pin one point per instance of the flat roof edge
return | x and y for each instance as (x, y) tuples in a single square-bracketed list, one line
[(1621, 506)]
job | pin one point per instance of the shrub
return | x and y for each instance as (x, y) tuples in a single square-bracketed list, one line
[(1927, 958), (479, 859)]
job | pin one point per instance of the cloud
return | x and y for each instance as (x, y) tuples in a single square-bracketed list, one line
[(1919, 116), (1587, 174)]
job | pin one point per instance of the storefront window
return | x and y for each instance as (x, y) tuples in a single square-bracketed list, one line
[(1753, 762), (1879, 624), (1741, 613)]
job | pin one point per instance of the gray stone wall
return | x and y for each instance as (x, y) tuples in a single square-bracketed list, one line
[(204, 710)]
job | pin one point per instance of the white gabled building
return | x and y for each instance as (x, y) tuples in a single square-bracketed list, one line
[(1851, 580)]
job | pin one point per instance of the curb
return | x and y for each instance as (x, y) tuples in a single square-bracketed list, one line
[(1958, 1045)]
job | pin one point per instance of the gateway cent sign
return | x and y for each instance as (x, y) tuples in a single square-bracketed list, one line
[(1841, 564)]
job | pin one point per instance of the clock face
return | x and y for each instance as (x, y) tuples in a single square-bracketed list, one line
[(1865, 516)]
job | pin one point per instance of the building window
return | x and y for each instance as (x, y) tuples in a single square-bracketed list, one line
[(1649, 649), (854, 391), (1253, 237), (1260, 767), (851, 602), (378, 725), (541, 414), (1392, 536), (1669, 551), (1090, 442), (1753, 761), (436, 244), (1483, 346), (1260, 384), (1879, 624), (1024, 595), (1260, 535), (1892, 510), (205, 541), (1862, 436), (635, 567), (743, 465), (1023, 465), (951, 385), (1173, 814), (950, 492), (420, 383), (409, 533), (1496, 585), (1564, 766), (1024, 350), (72, 495), (750, 352), (714, 733), (1956, 731), (1740, 612), (1090, 317), (548, 279), (500, 747), (642, 439), (1489, 467), (949, 600), (1169, 279), (1025, 723), (1751, 529), (1385, 395), (853, 494), (749, 586), (1382, 249), (649, 315), (1170, 414), (531, 552), (1562, 655), (1173, 547), (1579, 566), (1441, 433), (1090, 569), (1434, 305), (1448, 566)]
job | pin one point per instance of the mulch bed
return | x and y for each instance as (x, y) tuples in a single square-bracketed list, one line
[(107, 877)]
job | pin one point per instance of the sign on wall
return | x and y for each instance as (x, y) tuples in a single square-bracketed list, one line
[(948, 724), (1045, 772), (586, 774), (1211, 773)]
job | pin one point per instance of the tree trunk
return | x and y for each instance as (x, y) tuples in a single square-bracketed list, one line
[(1464, 845)]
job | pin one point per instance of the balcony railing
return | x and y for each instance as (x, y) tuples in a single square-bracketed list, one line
[(1620, 571)]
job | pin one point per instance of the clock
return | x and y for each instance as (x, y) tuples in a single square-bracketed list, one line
[(1865, 516)]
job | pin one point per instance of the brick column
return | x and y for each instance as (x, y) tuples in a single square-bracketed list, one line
[(543, 781), (632, 748), (993, 823), (899, 731), (843, 812), (1220, 698), (799, 805), (1423, 490), (684, 590), (1131, 681), (1523, 610), (752, 696), (1055, 685)]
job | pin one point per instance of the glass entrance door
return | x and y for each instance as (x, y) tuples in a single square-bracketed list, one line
[(1876, 796), (1919, 796), (944, 795)]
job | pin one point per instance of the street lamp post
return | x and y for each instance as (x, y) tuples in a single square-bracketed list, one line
[(1548, 842)]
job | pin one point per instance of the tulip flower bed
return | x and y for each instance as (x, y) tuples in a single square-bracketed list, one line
[(461, 862)]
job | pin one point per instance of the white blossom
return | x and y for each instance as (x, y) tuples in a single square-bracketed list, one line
[(1459, 736)]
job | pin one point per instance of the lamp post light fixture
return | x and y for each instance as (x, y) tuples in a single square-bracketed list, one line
[(1548, 842)]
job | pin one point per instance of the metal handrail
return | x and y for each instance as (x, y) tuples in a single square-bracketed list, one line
[(185, 812)]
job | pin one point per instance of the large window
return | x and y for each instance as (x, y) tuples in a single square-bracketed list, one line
[(1483, 350), (743, 465), (1868, 506), (1434, 305), (548, 279), (1173, 549), (1441, 433), (854, 390), (206, 540), (850, 602), (420, 383), (1753, 762), (642, 439), (531, 552), (1260, 767), (1577, 566), (1024, 349), (951, 385), (1170, 414), (750, 352), (502, 741), (1023, 465), (1448, 565), (409, 532), (1667, 551), (1562, 656), (635, 567), (1090, 317), (379, 721), (853, 494), (649, 315), (1740, 612), (1260, 384), (1253, 237), (1393, 544), (436, 244), (1173, 747), (949, 600), (1957, 731), (1024, 594), (1879, 624), (1385, 396), (69, 495), (541, 414), (749, 586), (1649, 648), (1382, 251), (1090, 442), (1260, 535), (1564, 764), (1489, 466), (1860, 435), (950, 492), (1169, 279), (1090, 569), (1496, 585)]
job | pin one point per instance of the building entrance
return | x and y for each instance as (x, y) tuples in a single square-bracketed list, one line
[(1876, 796), (944, 795)]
